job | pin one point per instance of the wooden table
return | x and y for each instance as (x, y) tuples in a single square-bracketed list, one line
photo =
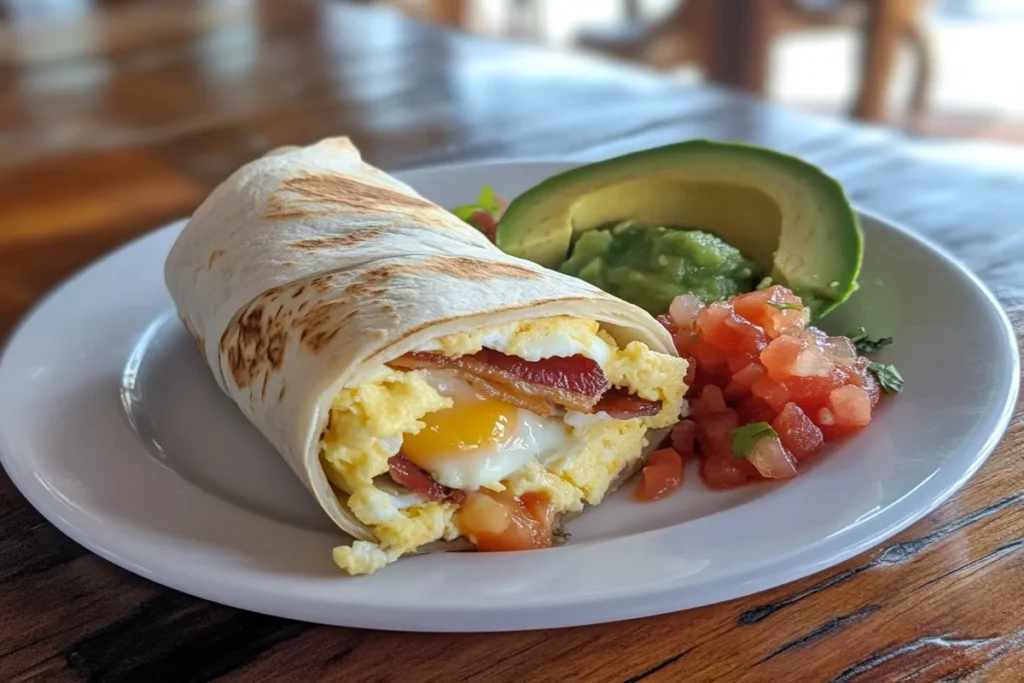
[(119, 119)]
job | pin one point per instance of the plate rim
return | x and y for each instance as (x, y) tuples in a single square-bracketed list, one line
[(779, 577)]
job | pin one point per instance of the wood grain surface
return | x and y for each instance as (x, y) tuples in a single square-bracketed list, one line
[(116, 117)]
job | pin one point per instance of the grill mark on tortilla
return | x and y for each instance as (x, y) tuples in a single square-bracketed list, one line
[(306, 194), (284, 390), (338, 241), (298, 292), (322, 283), (361, 290), (255, 343), (460, 267), (214, 255), (466, 268), (317, 327)]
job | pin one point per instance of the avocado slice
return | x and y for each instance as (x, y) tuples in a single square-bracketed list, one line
[(785, 214)]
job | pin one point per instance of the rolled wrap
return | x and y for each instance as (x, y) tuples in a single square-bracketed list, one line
[(307, 269)]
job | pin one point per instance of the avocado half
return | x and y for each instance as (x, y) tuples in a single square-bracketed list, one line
[(783, 213)]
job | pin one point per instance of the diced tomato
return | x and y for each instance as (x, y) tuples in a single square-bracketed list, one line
[(749, 374), (742, 380), (735, 391), (691, 372), (662, 475), (859, 375), (708, 356), (780, 356), (755, 358), (667, 323), (798, 433), (873, 389), (723, 471), (711, 401), (713, 430), (501, 522), (757, 308), (720, 327), (826, 421), (540, 508), (851, 406), (752, 409), (684, 340), (771, 392), (811, 393), (684, 435)]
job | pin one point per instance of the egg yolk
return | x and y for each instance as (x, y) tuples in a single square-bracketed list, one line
[(462, 430)]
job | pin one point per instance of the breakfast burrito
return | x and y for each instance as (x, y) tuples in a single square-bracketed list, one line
[(432, 392)]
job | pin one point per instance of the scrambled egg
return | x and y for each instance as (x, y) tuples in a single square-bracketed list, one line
[(368, 423)]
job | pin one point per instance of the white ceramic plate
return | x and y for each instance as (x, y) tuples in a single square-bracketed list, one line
[(112, 427)]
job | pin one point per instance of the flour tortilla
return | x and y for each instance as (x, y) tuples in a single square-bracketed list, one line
[(307, 269)]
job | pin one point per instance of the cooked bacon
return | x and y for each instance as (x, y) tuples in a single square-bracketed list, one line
[(405, 472), (575, 382), (413, 477), (538, 405), (622, 405)]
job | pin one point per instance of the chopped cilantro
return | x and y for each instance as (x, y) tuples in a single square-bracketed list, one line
[(866, 344), (744, 438), (888, 376)]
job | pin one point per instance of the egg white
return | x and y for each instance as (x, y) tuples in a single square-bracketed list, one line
[(531, 437)]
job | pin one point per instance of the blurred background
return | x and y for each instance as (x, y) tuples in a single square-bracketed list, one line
[(933, 69), (942, 68)]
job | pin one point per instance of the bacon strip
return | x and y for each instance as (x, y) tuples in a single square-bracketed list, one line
[(538, 405), (413, 477), (622, 405), (575, 382), (405, 472)]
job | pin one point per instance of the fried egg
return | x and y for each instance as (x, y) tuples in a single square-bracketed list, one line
[(472, 442), (480, 441)]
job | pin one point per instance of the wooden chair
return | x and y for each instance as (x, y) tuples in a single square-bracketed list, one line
[(730, 39)]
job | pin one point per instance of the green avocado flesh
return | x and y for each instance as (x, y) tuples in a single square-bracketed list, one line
[(650, 266), (788, 217)]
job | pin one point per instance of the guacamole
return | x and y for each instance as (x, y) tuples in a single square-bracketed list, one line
[(649, 266)]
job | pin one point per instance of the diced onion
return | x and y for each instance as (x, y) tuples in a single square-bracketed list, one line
[(684, 309), (770, 458)]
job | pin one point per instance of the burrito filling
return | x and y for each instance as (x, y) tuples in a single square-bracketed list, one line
[(491, 436)]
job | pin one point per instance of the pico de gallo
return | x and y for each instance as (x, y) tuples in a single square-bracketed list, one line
[(767, 390)]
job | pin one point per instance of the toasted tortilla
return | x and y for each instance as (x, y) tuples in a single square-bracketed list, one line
[(307, 269)]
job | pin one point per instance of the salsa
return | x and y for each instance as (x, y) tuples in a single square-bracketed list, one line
[(650, 266), (767, 390)]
